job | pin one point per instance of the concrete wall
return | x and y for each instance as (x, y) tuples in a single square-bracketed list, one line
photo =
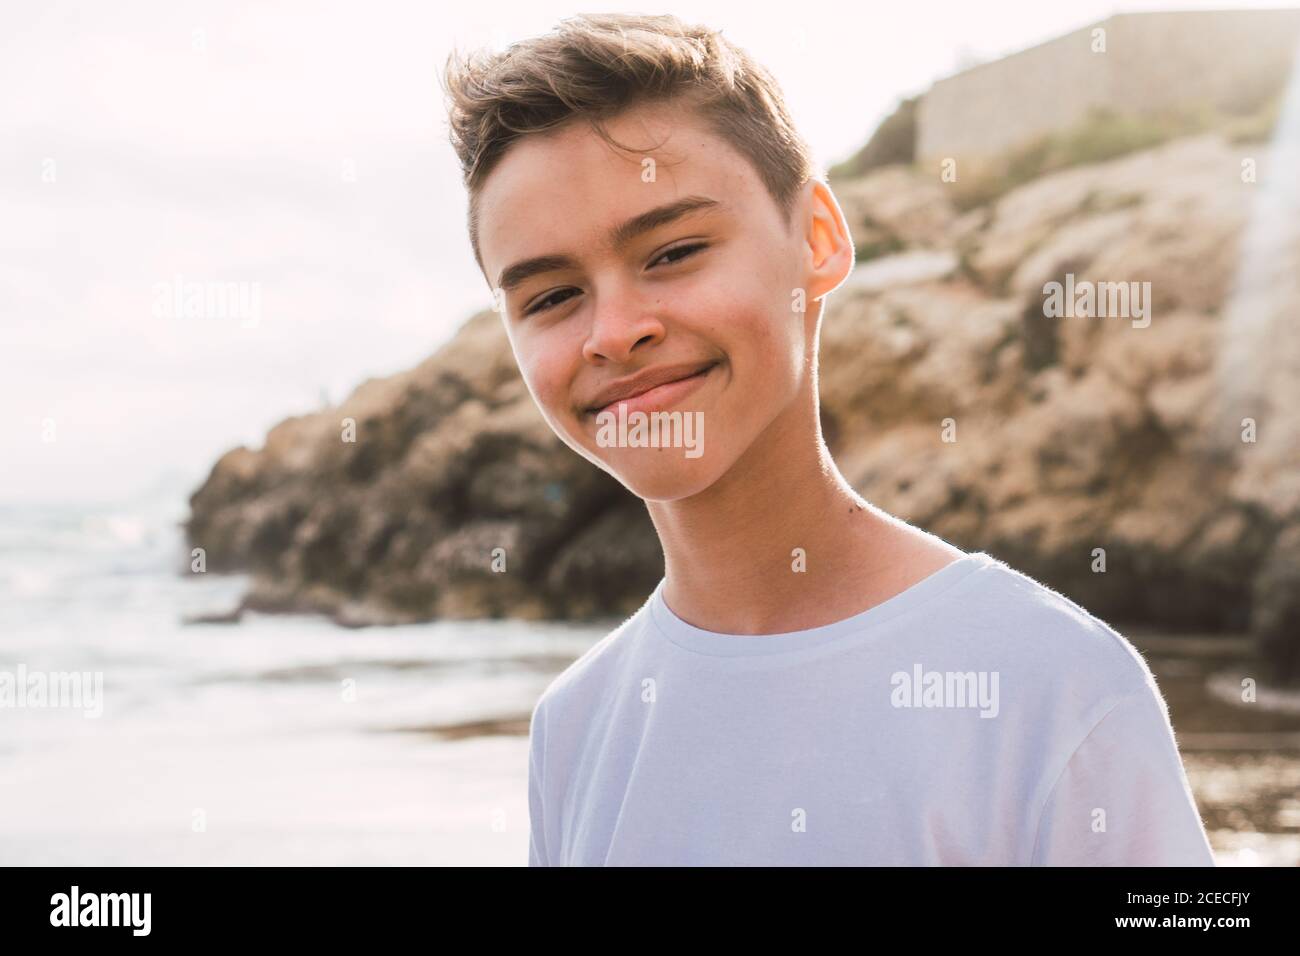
[(1153, 61)]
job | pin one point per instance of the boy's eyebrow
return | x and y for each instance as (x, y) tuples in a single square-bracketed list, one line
[(619, 237)]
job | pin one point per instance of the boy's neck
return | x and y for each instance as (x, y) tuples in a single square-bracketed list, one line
[(729, 552)]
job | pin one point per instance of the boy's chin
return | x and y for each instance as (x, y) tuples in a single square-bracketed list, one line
[(662, 474)]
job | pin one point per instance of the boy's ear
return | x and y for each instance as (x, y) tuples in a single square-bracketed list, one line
[(829, 244)]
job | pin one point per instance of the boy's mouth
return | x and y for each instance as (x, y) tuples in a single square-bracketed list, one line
[(651, 388)]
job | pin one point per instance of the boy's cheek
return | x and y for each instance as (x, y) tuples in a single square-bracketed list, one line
[(556, 401), (538, 374)]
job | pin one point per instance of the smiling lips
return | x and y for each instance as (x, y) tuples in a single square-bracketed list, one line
[(652, 388)]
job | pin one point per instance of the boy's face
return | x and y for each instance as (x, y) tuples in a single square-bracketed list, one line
[(709, 299)]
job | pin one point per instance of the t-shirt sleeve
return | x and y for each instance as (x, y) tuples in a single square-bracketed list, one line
[(1123, 798), (536, 821)]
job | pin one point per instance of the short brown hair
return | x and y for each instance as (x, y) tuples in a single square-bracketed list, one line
[(594, 66)]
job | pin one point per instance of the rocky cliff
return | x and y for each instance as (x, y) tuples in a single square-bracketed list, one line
[(949, 399)]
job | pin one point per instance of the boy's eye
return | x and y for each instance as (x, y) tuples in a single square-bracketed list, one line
[(688, 250), (541, 305), (682, 252)]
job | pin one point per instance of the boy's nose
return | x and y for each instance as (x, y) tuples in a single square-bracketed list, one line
[(619, 326)]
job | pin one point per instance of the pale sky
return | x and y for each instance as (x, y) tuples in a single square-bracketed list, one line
[(209, 141)]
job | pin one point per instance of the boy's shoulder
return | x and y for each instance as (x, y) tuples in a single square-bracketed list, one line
[(589, 672), (1047, 632)]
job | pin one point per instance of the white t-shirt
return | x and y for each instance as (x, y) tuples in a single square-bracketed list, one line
[(977, 718)]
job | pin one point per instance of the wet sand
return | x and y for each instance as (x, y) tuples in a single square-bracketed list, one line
[(1243, 760)]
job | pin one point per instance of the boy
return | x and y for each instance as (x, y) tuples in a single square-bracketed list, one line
[(813, 681)]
